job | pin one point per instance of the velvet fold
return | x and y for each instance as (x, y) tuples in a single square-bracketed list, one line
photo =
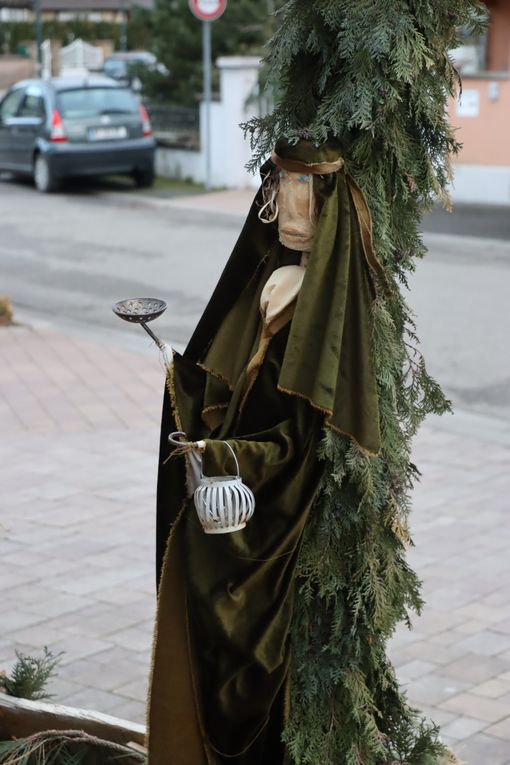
[(220, 677)]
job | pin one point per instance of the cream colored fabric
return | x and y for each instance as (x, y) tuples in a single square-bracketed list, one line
[(297, 211), (277, 303), (281, 289)]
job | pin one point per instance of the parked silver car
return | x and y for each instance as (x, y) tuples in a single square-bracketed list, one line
[(79, 126)]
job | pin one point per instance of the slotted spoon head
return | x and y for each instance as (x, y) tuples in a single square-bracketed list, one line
[(138, 310)]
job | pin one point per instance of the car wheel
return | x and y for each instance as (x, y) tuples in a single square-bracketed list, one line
[(144, 179), (44, 178)]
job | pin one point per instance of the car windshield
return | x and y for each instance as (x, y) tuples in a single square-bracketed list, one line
[(94, 102), (115, 68)]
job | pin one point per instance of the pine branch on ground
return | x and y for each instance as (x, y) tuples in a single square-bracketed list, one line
[(30, 675)]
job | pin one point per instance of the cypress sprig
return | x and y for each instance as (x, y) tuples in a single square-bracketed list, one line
[(378, 76)]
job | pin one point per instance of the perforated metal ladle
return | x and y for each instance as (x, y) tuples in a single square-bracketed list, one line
[(140, 311)]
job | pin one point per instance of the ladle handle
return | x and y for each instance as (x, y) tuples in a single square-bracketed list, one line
[(156, 339)]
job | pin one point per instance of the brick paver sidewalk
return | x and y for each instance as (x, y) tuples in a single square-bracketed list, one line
[(79, 424)]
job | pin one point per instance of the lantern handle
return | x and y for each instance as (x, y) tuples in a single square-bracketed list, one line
[(238, 474), (175, 440)]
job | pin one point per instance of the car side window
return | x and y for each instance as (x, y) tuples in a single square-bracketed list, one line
[(10, 104), (32, 106)]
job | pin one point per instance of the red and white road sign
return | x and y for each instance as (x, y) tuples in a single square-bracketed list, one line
[(208, 10)]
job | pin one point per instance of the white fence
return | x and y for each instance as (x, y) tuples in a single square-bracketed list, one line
[(229, 150), (80, 57)]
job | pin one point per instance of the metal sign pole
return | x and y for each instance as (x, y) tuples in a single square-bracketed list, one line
[(207, 11), (207, 62), (38, 36)]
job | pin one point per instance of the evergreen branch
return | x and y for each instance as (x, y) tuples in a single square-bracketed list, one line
[(376, 75), (69, 747), (30, 675)]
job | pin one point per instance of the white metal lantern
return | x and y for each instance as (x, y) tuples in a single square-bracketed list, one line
[(223, 503)]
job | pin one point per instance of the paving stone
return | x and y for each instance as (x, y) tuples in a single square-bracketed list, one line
[(500, 597), (447, 638), (485, 643), (134, 639), (60, 689), (37, 635), (500, 729), (92, 698), (462, 728), (74, 648), (475, 669), (430, 652), (433, 689), (437, 716), (482, 749), (134, 711), (483, 612), (109, 676), (15, 620), (491, 710), (471, 627), (414, 669), (78, 474), (492, 689), (503, 626), (136, 690), (434, 621)]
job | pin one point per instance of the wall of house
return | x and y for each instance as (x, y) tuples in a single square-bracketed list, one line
[(482, 120), (499, 36), (14, 68)]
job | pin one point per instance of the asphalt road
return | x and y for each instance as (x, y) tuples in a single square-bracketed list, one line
[(66, 258)]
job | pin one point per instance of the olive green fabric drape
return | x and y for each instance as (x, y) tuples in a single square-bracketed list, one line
[(219, 684), (328, 359), (221, 654)]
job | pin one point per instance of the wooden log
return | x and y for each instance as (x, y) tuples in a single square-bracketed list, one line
[(20, 718)]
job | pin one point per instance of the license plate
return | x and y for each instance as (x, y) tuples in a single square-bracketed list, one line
[(107, 133)]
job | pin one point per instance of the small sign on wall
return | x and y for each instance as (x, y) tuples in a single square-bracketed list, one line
[(468, 104)]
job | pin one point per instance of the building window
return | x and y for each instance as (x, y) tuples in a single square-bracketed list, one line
[(471, 55)]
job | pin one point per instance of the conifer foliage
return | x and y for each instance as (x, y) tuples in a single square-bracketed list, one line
[(377, 74)]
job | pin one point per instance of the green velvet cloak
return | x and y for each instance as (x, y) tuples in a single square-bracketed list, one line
[(219, 686)]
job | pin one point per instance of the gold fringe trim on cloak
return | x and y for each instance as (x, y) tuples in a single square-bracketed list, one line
[(307, 168), (171, 392), (155, 634), (218, 375), (327, 421), (170, 383), (213, 409), (365, 225)]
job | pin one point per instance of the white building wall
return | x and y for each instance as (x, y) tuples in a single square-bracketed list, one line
[(180, 164), (481, 184), (229, 150), (14, 14)]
